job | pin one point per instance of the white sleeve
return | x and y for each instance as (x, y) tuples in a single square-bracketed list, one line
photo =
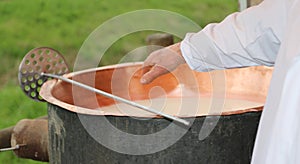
[(247, 38)]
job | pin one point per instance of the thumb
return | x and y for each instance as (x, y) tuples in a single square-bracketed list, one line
[(152, 74)]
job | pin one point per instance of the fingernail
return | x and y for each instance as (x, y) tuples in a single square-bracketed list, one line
[(143, 81)]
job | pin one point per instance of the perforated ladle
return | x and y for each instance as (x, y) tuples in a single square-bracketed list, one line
[(41, 64)]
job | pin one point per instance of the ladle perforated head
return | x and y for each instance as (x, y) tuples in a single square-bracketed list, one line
[(36, 61)]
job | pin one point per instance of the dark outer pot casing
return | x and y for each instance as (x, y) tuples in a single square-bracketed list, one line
[(230, 142)]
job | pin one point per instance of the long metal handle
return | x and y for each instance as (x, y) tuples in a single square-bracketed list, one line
[(117, 98)]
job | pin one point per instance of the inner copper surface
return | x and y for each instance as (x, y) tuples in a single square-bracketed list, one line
[(123, 80)]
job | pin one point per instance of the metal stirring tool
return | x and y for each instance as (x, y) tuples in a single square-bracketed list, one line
[(41, 64), (12, 148)]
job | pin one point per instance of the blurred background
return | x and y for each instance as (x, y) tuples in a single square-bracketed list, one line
[(64, 26)]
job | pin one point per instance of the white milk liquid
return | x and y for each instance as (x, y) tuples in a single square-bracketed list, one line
[(183, 107)]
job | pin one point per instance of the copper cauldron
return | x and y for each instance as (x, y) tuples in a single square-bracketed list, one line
[(77, 116)]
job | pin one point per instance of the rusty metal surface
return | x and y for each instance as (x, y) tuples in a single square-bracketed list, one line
[(36, 61), (246, 83)]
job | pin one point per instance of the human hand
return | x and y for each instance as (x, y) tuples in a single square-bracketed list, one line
[(161, 62)]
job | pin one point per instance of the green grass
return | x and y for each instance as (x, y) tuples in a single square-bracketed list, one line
[(14, 107), (64, 25)]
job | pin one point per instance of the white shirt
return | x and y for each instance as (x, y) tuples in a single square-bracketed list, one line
[(266, 34)]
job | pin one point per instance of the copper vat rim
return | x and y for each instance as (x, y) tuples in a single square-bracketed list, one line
[(46, 93)]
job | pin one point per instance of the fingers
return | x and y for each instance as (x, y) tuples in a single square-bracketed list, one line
[(152, 74), (145, 69), (161, 62)]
